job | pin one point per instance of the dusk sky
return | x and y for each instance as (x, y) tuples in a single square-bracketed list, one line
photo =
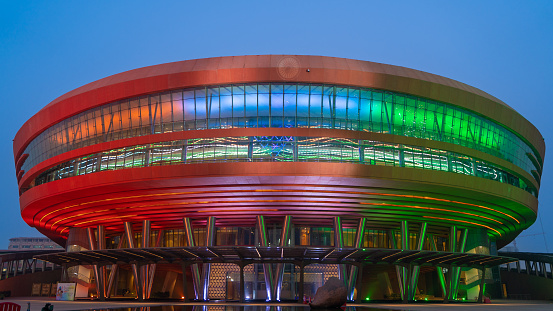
[(48, 48)]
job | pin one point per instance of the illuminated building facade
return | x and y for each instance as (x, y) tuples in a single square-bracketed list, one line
[(280, 151)]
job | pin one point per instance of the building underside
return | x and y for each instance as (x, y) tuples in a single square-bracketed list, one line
[(277, 273)]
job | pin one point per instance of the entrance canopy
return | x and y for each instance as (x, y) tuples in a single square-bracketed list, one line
[(249, 254)]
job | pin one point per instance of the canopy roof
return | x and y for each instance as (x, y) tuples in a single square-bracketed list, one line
[(249, 254)]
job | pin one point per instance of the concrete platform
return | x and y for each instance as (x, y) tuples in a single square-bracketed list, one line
[(499, 305)]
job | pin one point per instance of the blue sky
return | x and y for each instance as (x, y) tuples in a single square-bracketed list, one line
[(48, 48)]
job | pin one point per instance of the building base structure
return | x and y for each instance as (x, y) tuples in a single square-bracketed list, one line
[(284, 152), (433, 269)]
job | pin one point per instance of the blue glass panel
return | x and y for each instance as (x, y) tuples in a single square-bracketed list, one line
[(277, 106), (251, 101), (201, 106), (189, 110), (341, 105), (290, 110), (328, 105), (226, 102), (238, 106)]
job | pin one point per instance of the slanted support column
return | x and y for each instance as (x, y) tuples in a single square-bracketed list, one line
[(194, 268), (114, 269), (101, 232), (439, 270), (279, 273), (416, 269), (97, 270), (452, 270), (152, 267), (267, 269), (145, 269), (399, 270), (353, 272), (406, 282), (457, 270), (139, 289), (403, 271), (130, 242), (339, 243), (448, 284), (209, 239)]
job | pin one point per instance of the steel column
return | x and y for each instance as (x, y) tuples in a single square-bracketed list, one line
[(242, 284), (457, 275), (448, 284), (402, 271), (439, 270), (399, 270), (279, 273), (452, 270), (417, 269), (209, 238), (114, 268), (267, 268), (101, 232), (189, 233), (353, 269), (339, 243), (97, 273), (130, 241), (144, 269), (153, 267)]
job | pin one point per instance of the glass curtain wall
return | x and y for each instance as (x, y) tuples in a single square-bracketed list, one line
[(282, 106), (281, 149)]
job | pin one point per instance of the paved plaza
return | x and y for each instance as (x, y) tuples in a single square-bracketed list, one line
[(501, 305)]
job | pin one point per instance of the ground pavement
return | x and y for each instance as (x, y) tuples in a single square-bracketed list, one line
[(498, 305)]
